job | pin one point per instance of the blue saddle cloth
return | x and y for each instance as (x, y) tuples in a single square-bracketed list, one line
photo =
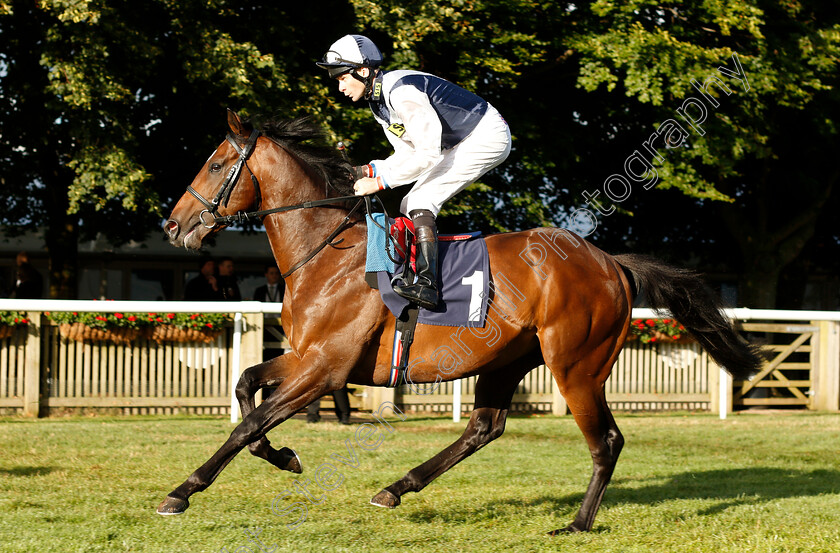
[(464, 278)]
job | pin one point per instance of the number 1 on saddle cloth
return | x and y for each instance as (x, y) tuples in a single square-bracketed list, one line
[(464, 282)]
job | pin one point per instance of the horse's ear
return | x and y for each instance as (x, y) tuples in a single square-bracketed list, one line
[(236, 125)]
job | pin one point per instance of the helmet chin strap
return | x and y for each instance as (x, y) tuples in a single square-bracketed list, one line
[(367, 81)]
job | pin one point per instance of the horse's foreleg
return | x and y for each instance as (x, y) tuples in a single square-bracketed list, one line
[(589, 407), (293, 394), (493, 393), (270, 373)]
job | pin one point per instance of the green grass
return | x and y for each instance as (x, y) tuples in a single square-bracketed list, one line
[(762, 483)]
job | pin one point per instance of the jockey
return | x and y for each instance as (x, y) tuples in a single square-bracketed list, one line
[(444, 139)]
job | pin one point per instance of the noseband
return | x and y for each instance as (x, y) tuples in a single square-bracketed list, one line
[(223, 195)]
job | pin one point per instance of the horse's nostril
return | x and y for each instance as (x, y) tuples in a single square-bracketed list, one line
[(171, 228)]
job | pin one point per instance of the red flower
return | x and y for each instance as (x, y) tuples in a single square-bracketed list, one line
[(159, 320), (170, 315), (17, 320), (209, 325), (132, 318), (24, 321), (194, 315), (118, 315), (653, 339), (650, 322)]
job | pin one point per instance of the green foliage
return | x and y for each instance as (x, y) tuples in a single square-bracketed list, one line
[(653, 53), (141, 320), (108, 173), (766, 149), (98, 320), (655, 330), (100, 59), (13, 318), (189, 320), (108, 108)]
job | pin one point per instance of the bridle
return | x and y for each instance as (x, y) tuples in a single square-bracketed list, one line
[(223, 197)]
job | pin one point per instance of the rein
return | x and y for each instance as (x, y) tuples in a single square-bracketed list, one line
[(223, 197), (328, 240), (242, 216)]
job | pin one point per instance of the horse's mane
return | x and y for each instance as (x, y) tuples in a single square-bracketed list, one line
[(306, 140)]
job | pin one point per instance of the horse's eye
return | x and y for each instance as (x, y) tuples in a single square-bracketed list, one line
[(215, 168)]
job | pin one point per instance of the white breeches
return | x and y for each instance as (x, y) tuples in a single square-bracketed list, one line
[(483, 149)]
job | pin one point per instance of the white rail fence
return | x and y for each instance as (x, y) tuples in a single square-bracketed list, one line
[(41, 371)]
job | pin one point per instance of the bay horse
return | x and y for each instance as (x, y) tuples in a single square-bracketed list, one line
[(555, 299)]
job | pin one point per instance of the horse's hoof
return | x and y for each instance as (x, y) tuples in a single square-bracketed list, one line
[(570, 529), (291, 461), (385, 499), (172, 506)]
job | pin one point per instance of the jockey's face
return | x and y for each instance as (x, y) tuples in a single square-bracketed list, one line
[(351, 86)]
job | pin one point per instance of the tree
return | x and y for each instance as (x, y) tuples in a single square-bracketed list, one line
[(108, 106), (768, 149)]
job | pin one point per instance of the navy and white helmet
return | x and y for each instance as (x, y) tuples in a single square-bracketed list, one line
[(351, 52)]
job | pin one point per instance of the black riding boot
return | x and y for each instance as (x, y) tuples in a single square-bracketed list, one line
[(424, 290)]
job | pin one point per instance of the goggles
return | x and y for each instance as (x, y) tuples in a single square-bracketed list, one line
[(333, 58)]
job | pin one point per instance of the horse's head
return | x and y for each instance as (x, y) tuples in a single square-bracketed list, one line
[(222, 187)]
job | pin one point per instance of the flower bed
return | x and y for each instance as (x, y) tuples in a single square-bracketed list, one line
[(658, 330), (11, 320), (125, 327), (81, 332), (186, 327)]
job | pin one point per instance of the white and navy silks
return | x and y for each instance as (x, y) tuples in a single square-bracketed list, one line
[(444, 137)]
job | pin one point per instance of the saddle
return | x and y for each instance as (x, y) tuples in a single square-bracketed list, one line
[(464, 275)]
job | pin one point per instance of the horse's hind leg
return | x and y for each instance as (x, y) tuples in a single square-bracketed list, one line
[(584, 394), (493, 393), (270, 373)]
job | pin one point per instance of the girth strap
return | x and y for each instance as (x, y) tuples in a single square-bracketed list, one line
[(403, 338)]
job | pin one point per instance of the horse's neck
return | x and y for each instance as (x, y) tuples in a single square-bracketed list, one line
[(293, 235)]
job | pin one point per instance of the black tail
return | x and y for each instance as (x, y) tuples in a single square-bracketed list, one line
[(697, 308)]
